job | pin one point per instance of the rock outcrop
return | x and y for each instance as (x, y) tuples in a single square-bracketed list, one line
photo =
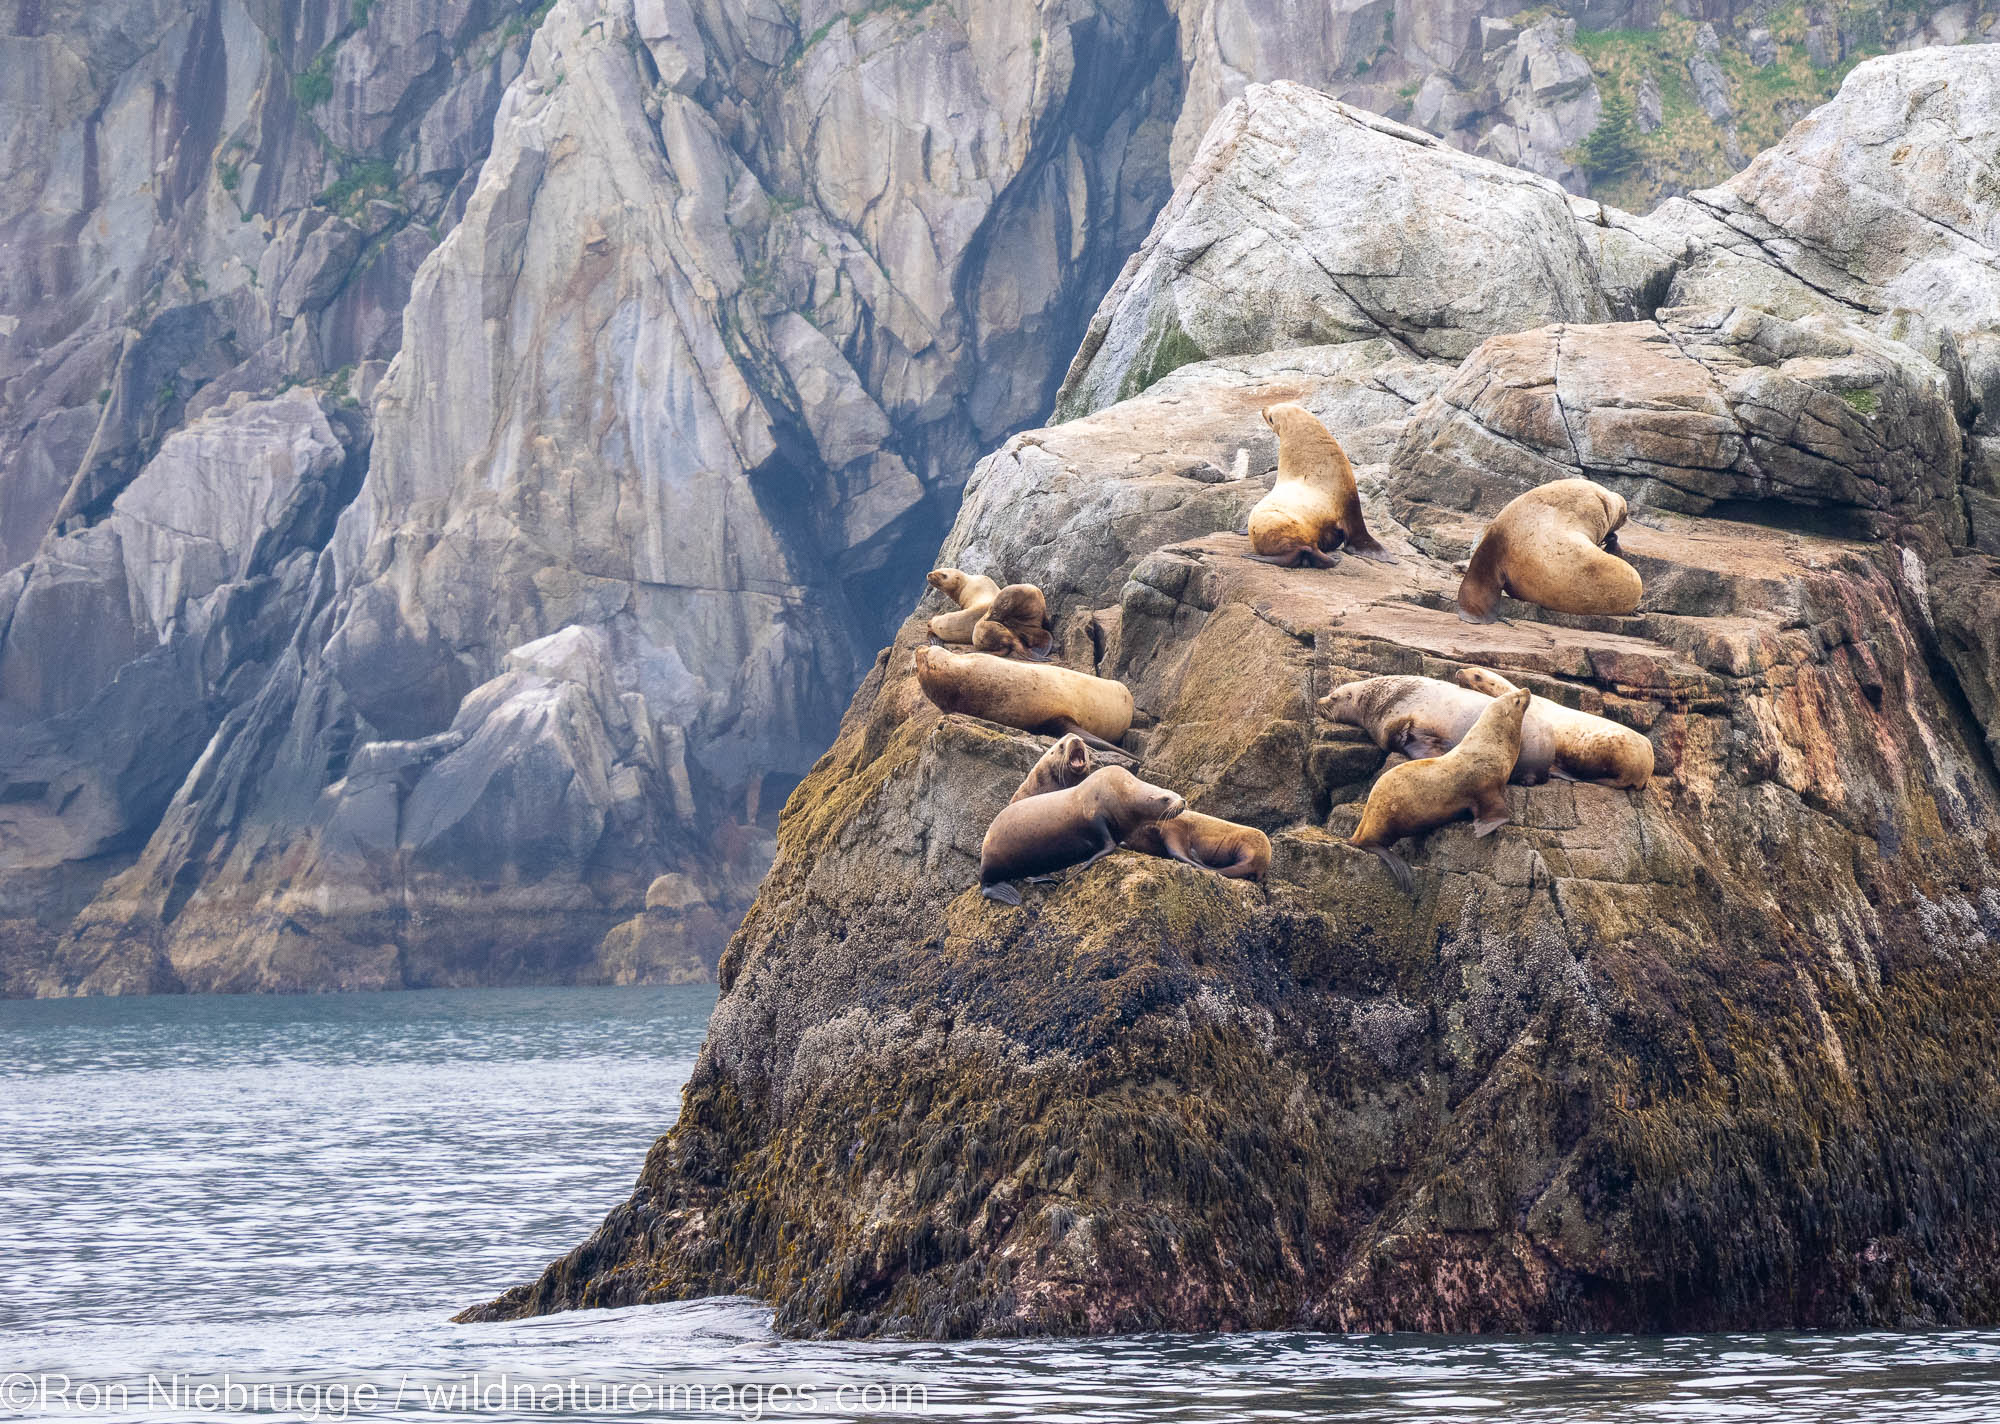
[(1717, 1054), (697, 363)]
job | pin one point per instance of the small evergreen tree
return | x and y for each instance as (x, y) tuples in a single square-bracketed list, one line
[(1609, 150)]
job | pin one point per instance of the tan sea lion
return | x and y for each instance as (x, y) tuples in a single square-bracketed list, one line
[(1571, 745), (1016, 624), (1061, 767), (1207, 843), (1036, 697), (1411, 798), (973, 593), (1556, 545), (1039, 835), (1313, 508)]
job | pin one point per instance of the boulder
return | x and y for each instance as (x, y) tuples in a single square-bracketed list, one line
[(1693, 1057), (1327, 224)]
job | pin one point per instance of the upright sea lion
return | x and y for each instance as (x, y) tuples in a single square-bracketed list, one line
[(1572, 745), (973, 593), (1411, 798), (1313, 508), (1036, 697), (1016, 624), (1556, 545), (1038, 835), (1207, 843), (1061, 767)]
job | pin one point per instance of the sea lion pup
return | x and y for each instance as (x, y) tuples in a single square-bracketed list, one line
[(1571, 745), (1036, 697), (1313, 508), (971, 592), (1409, 799), (1039, 835), (1061, 767), (1016, 624), (1207, 843), (1556, 545)]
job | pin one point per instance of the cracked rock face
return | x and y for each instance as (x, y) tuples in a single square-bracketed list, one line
[(713, 335), (1328, 224), (1715, 1054)]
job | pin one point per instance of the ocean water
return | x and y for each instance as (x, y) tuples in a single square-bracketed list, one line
[(226, 1207)]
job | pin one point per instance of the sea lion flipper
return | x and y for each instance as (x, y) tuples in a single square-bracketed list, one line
[(1487, 828), (1354, 530), (1479, 590), (1418, 745), (1398, 867), (1559, 774), (1003, 892)]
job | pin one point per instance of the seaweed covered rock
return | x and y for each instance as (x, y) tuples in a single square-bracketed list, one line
[(1720, 1053)]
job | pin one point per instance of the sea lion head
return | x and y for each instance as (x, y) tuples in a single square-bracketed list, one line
[(1074, 753), (1290, 419), (1343, 704), (1509, 711), (1141, 800), (1366, 700), (1483, 680), (1614, 508), (946, 581)]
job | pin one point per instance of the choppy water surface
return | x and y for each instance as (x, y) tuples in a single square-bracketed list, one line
[(281, 1200)]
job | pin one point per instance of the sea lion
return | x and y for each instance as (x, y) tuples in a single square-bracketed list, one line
[(1313, 508), (1016, 624), (1414, 796), (1061, 767), (1423, 717), (1038, 835), (1207, 843), (973, 593), (1556, 545), (1572, 745), (1036, 697)]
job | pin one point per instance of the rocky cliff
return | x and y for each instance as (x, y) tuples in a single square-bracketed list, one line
[(350, 354), (1716, 1054)]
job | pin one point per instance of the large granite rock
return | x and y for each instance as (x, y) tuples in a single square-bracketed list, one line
[(1716, 1054), (1328, 224)]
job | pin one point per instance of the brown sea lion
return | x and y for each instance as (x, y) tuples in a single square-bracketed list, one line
[(1039, 835), (1016, 625), (1414, 796), (973, 593), (1556, 545), (1207, 843), (1036, 697), (1313, 508), (1571, 745), (1061, 767)]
